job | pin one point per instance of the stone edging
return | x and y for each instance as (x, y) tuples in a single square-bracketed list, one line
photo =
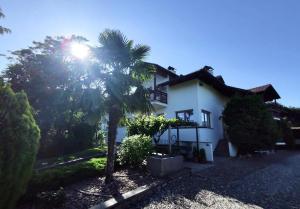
[(139, 193)]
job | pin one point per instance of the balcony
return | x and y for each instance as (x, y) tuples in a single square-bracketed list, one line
[(158, 99)]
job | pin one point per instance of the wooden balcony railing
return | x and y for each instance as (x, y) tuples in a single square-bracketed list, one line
[(159, 96)]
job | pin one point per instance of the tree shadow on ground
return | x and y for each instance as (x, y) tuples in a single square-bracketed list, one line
[(243, 182)]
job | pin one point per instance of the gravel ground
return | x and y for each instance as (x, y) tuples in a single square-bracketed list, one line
[(271, 182), (89, 192)]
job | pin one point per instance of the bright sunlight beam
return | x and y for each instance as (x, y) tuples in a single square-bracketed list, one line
[(79, 50)]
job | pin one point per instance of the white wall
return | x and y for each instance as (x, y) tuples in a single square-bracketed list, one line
[(181, 97), (159, 79), (192, 95), (211, 100)]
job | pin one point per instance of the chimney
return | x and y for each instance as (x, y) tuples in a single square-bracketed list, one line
[(171, 69), (208, 69)]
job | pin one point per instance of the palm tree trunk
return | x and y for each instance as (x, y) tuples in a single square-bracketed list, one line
[(114, 118)]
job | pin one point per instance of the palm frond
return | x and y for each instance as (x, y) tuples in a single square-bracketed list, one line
[(3, 29), (139, 52), (125, 70), (142, 71), (114, 49), (112, 38), (1, 14), (138, 102)]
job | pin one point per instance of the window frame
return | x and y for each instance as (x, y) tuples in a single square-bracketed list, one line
[(206, 119), (187, 119)]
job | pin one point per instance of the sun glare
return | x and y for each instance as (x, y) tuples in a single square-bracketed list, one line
[(79, 50)]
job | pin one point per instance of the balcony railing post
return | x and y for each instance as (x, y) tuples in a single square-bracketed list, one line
[(160, 96)]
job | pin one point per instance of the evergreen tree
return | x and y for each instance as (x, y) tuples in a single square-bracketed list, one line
[(19, 139)]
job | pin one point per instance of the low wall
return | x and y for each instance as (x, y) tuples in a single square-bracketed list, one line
[(162, 166), (209, 152)]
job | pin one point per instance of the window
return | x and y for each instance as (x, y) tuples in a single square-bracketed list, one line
[(205, 119), (184, 115)]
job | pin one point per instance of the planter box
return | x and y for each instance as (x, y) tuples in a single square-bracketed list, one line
[(162, 166)]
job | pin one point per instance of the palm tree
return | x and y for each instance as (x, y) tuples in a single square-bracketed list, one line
[(3, 29), (121, 73)]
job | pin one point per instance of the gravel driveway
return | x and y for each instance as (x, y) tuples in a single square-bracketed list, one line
[(271, 181)]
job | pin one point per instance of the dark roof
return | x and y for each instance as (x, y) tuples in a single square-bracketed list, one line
[(259, 89), (205, 76), (163, 71), (267, 91), (220, 78)]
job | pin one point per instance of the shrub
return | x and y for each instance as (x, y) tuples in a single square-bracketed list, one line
[(148, 125), (79, 137), (19, 139), (100, 138), (135, 149), (153, 126), (250, 125), (287, 134)]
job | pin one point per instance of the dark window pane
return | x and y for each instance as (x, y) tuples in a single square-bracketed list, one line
[(205, 119), (184, 115)]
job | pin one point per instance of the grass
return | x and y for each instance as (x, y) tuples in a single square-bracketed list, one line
[(62, 176), (65, 158)]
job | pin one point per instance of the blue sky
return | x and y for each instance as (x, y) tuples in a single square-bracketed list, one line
[(249, 42)]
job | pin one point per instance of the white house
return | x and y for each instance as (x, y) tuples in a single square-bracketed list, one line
[(199, 97)]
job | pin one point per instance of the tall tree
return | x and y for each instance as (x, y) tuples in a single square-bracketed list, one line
[(59, 91), (121, 71), (19, 139), (250, 126), (3, 29)]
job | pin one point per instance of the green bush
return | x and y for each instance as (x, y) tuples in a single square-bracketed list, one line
[(62, 176), (250, 125), (100, 138), (153, 126), (148, 125), (19, 139), (79, 137), (135, 149)]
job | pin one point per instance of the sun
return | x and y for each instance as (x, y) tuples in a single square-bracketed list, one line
[(79, 50)]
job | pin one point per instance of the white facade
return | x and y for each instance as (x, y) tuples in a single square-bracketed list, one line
[(192, 95), (197, 96)]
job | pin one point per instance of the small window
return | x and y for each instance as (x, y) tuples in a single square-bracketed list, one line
[(184, 115), (205, 119)]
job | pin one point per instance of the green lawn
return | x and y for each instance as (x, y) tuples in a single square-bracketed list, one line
[(65, 158), (64, 175)]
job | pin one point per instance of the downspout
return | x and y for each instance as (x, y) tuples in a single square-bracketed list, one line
[(197, 138)]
